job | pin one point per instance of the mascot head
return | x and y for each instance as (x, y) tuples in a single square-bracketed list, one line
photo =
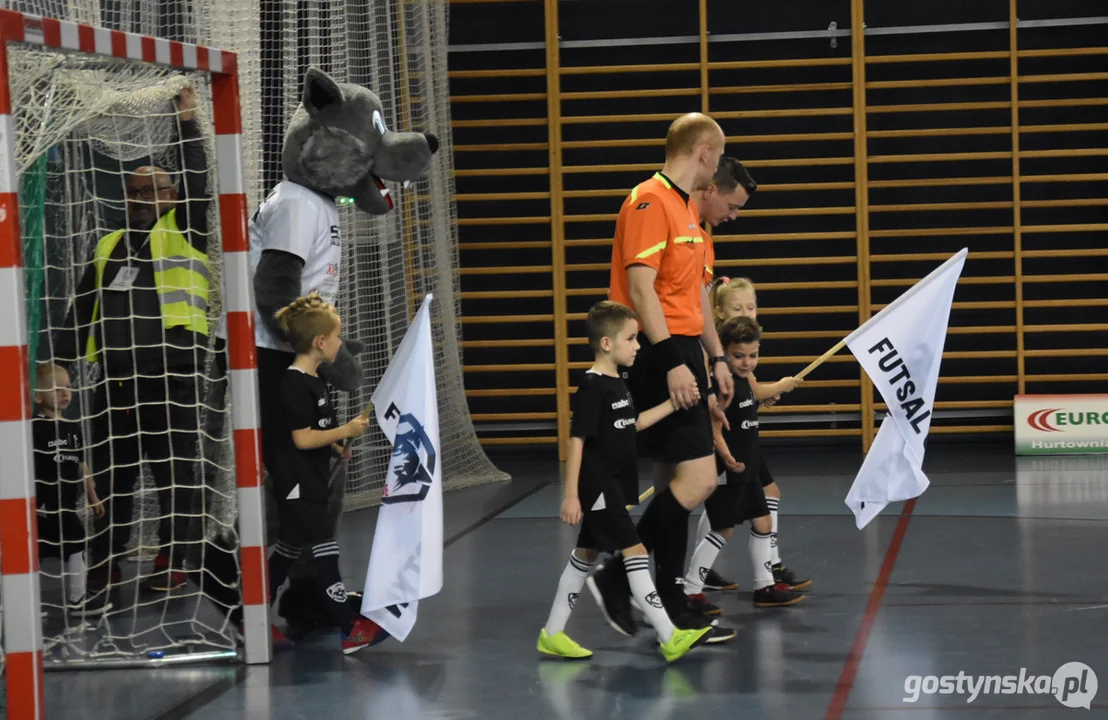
[(338, 144)]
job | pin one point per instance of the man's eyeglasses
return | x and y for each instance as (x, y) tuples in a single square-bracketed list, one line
[(148, 192)]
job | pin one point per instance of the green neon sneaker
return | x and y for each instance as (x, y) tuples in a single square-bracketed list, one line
[(561, 645), (682, 641)]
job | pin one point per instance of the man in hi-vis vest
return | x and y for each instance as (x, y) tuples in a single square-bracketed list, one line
[(141, 312)]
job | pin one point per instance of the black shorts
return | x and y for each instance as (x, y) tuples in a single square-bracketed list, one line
[(686, 434), (764, 474), (60, 533), (303, 523), (737, 499), (607, 530)]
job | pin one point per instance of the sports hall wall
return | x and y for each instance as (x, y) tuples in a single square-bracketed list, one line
[(947, 124)]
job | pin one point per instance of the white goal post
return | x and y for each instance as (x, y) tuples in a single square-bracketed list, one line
[(19, 563)]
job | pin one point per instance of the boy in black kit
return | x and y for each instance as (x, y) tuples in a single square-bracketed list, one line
[(302, 477), (60, 473), (602, 479), (740, 496)]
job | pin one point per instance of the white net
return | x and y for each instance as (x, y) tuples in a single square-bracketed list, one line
[(397, 49), (116, 587)]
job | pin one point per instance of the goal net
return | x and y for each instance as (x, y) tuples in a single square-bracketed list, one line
[(86, 131), (398, 49)]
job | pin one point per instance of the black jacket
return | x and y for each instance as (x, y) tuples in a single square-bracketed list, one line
[(129, 328)]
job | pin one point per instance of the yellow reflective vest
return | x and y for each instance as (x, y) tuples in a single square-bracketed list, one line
[(181, 278)]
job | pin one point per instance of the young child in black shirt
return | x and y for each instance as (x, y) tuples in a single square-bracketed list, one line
[(736, 297), (60, 473), (301, 479), (741, 497), (602, 479)]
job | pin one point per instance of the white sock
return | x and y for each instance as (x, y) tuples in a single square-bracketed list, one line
[(760, 559), (644, 592), (703, 527), (75, 576), (773, 504), (702, 560), (569, 589)]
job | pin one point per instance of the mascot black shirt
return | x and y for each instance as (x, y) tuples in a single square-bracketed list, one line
[(604, 416), (306, 404)]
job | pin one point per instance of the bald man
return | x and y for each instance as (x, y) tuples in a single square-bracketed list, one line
[(141, 312), (660, 268)]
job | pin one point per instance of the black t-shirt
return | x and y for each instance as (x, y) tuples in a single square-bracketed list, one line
[(305, 403), (742, 438), (604, 416), (59, 452)]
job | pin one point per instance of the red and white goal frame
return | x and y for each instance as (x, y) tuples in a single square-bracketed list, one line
[(19, 563)]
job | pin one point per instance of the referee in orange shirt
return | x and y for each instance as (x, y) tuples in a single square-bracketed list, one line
[(660, 267)]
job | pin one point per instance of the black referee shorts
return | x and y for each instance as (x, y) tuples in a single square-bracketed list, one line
[(607, 530), (686, 434)]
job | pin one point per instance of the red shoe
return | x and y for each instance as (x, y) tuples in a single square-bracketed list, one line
[(365, 633), (700, 603), (280, 642)]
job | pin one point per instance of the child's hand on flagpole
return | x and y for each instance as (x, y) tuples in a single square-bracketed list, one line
[(356, 427)]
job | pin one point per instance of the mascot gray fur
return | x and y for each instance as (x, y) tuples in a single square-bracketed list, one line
[(337, 145)]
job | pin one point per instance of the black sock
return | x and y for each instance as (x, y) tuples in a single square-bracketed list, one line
[(669, 555), (649, 524), (284, 555), (326, 557)]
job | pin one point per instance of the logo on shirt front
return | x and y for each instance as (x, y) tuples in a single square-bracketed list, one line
[(625, 402), (643, 206), (325, 422), (332, 269), (335, 235), (624, 423), (749, 424), (321, 402), (746, 403)]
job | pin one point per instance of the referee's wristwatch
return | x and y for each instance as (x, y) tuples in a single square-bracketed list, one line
[(713, 361)]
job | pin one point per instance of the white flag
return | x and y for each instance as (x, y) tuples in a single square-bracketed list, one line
[(406, 561), (901, 349)]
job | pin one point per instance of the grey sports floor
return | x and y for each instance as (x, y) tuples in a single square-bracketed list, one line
[(998, 567)]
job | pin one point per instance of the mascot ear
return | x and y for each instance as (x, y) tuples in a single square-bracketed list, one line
[(320, 92)]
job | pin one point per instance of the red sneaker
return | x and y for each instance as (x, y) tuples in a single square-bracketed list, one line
[(162, 579), (700, 603), (280, 642), (365, 633)]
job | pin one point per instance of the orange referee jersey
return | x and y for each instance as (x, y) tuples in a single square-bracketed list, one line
[(660, 228)]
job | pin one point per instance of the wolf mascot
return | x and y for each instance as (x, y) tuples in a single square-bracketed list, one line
[(337, 145)]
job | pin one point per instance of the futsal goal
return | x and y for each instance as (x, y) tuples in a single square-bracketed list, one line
[(81, 109)]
